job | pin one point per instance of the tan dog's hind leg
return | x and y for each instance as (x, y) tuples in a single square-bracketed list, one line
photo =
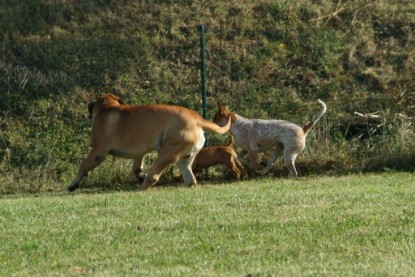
[(154, 174), (94, 158), (185, 167), (188, 156), (171, 154), (138, 168)]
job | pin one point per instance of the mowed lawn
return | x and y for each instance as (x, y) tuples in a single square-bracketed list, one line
[(330, 226)]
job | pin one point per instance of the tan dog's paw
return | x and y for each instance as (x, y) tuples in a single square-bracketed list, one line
[(142, 187), (139, 175)]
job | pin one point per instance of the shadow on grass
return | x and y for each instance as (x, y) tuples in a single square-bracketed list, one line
[(214, 176), (117, 184)]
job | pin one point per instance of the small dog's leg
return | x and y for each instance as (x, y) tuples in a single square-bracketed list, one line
[(241, 168), (231, 165)]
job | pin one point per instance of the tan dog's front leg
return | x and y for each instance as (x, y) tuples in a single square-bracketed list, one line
[(93, 160)]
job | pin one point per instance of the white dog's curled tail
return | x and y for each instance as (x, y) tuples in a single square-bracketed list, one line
[(316, 118)]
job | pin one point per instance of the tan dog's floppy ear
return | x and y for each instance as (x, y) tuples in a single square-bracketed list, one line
[(90, 109)]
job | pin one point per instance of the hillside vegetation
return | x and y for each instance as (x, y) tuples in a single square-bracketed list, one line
[(265, 59)]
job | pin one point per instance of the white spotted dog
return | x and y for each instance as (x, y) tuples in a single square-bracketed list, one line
[(257, 135)]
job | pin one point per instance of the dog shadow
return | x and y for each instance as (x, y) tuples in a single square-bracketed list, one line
[(212, 176), (119, 183)]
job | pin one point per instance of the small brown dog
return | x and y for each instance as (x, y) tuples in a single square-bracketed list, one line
[(223, 154)]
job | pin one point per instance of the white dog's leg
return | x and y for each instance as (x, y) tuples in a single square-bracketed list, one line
[(289, 161), (242, 157), (252, 163), (277, 152)]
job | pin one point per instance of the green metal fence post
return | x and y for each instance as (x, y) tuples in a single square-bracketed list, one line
[(203, 71)]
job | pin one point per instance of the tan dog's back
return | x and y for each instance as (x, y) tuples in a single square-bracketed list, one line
[(133, 129)]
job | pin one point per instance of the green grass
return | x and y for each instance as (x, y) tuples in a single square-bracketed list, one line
[(349, 225)]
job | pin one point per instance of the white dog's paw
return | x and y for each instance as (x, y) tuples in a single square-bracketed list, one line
[(263, 172)]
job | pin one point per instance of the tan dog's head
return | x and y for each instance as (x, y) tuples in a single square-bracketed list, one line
[(104, 101), (222, 115)]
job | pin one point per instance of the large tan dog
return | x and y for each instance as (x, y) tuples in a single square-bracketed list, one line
[(131, 132)]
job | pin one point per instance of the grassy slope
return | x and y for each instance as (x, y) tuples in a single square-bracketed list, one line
[(351, 225), (268, 59)]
